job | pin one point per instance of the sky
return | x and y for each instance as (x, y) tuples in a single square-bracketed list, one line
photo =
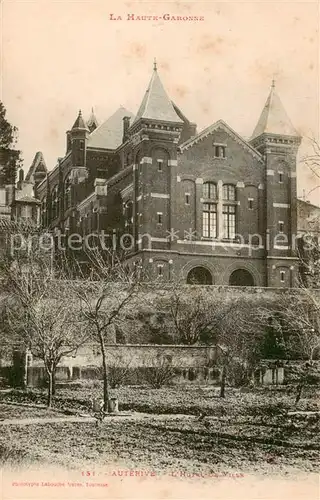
[(61, 56)]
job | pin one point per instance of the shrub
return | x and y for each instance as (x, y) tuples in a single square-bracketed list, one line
[(160, 373)]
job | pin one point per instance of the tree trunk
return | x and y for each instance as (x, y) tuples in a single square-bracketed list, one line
[(50, 387), (54, 382), (299, 392), (223, 381), (25, 371), (105, 375)]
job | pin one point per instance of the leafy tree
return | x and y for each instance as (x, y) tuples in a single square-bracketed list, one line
[(10, 157)]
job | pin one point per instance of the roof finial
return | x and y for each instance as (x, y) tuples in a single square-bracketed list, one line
[(155, 64), (273, 84), (80, 112)]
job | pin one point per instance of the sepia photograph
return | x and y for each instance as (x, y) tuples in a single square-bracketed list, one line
[(159, 250)]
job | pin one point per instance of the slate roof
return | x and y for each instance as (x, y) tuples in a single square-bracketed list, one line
[(274, 119), (37, 165), (156, 104), (79, 123), (92, 122), (109, 134)]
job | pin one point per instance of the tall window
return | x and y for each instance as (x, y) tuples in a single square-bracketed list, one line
[(67, 192), (229, 221), (55, 202), (229, 211), (129, 215), (229, 192), (26, 212), (209, 220), (209, 190), (44, 212), (219, 151)]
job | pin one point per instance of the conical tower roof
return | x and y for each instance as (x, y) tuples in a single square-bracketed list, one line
[(92, 123), (156, 104), (79, 123), (274, 119)]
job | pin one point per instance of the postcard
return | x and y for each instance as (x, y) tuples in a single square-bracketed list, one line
[(159, 249)]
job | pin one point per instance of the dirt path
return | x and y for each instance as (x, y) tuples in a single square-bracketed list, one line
[(88, 418)]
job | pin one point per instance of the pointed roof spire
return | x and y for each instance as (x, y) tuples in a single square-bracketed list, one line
[(156, 104), (79, 123), (92, 123), (274, 119)]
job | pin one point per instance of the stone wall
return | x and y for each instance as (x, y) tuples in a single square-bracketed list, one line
[(190, 363)]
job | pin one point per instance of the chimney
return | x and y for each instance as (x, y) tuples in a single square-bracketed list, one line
[(100, 187), (193, 129), (126, 126), (20, 178)]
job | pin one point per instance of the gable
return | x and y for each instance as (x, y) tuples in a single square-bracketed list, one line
[(217, 128)]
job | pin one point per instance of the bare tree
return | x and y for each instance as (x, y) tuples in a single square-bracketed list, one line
[(298, 317), (238, 337), (309, 257), (217, 318), (42, 312), (192, 314), (312, 161), (105, 296), (159, 371), (301, 312)]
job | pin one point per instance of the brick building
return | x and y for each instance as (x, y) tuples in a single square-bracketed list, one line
[(210, 207)]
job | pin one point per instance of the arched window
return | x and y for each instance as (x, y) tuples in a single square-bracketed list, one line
[(199, 276), (55, 202), (209, 191), (241, 277), (67, 192)]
